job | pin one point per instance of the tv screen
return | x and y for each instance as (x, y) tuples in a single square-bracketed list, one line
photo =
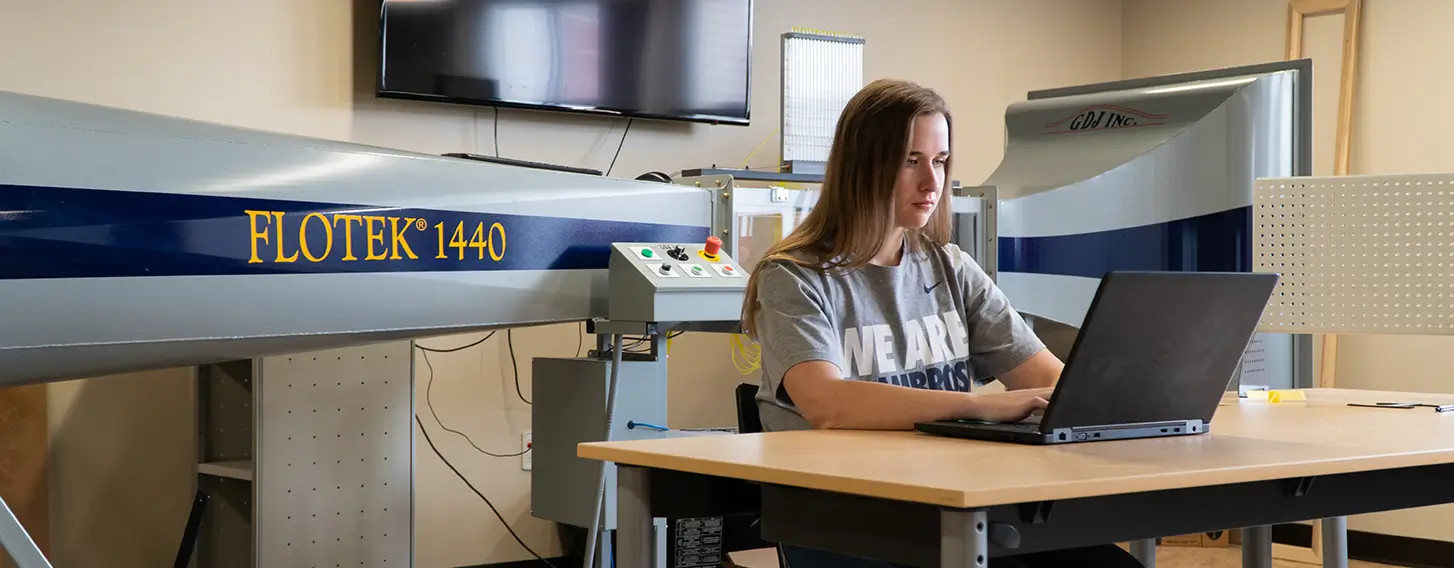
[(668, 59)]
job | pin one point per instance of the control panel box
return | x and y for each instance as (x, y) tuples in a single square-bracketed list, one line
[(675, 282)]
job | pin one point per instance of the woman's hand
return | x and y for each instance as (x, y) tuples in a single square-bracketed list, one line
[(1009, 406)]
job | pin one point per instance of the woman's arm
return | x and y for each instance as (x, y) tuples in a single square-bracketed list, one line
[(1001, 344), (1041, 370), (828, 401), (799, 348)]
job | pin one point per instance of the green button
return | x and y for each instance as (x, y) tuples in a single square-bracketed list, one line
[(646, 253)]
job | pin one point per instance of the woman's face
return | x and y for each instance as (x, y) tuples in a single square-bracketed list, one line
[(921, 178)]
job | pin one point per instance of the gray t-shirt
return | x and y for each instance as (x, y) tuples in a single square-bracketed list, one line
[(935, 321)]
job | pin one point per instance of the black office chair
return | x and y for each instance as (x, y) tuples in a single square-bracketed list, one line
[(748, 420)]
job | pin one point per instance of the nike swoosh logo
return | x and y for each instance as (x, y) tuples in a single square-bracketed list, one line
[(928, 289)]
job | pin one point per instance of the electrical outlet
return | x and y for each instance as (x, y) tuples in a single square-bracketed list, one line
[(525, 447)]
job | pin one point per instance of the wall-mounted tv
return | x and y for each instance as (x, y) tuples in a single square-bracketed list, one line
[(666, 59)]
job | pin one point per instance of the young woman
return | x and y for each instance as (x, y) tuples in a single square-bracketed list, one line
[(870, 319)]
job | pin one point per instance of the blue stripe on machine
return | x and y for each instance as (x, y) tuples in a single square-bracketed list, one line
[(52, 232), (1219, 242)]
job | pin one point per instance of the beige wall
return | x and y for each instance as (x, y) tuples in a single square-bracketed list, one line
[(122, 445), (1398, 127)]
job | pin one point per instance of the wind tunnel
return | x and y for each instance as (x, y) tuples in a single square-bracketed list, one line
[(132, 241), (1147, 174)]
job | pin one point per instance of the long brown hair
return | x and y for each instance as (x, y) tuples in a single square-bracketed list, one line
[(855, 208)]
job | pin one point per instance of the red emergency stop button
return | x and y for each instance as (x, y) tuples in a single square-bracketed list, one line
[(712, 248)]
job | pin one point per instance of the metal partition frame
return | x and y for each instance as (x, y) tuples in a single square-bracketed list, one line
[(974, 208)]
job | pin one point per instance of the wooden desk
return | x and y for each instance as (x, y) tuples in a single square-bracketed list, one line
[(919, 499)]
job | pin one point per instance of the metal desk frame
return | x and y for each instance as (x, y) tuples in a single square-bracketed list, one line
[(928, 535)]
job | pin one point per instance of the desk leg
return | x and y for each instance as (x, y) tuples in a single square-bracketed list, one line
[(1145, 551), (17, 543), (634, 542), (963, 538), (1257, 547), (1335, 542)]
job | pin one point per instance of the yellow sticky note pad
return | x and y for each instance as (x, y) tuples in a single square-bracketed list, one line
[(1286, 396)]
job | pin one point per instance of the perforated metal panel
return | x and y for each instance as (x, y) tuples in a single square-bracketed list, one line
[(1357, 254), (333, 458)]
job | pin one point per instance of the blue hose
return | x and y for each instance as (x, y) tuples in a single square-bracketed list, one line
[(633, 425)]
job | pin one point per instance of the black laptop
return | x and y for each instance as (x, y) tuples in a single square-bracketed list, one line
[(1153, 358)]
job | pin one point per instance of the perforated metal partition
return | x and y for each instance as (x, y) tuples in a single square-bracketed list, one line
[(335, 457), (307, 459), (1357, 254)]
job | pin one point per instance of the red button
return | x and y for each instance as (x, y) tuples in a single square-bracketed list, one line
[(727, 268), (714, 246)]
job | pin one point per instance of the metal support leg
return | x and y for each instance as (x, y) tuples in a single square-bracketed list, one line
[(17, 543), (1257, 547), (189, 534), (658, 524), (964, 538), (604, 550), (635, 545), (1145, 551), (1335, 542)]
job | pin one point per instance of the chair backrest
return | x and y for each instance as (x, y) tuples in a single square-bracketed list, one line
[(748, 421)]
